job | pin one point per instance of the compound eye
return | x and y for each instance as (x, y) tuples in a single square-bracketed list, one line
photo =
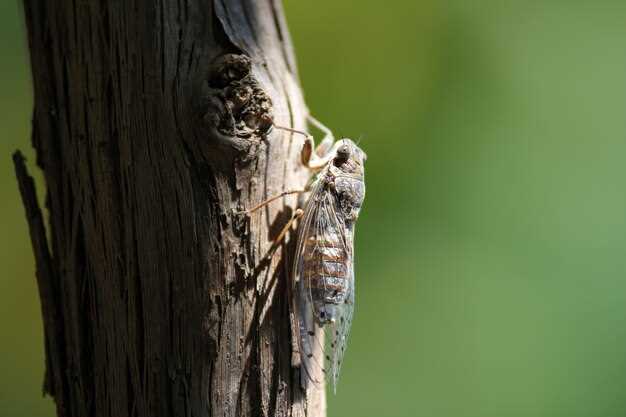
[(343, 152)]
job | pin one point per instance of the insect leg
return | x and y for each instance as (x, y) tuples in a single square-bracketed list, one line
[(312, 160), (269, 200), (306, 155), (324, 152), (292, 130), (317, 160), (328, 140)]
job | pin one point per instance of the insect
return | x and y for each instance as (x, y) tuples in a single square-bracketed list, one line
[(322, 276)]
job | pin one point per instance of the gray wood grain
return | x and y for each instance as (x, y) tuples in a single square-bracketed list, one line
[(152, 125)]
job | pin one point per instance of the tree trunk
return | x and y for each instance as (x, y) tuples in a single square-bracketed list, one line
[(152, 125)]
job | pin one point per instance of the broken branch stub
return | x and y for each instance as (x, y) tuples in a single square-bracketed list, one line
[(238, 112)]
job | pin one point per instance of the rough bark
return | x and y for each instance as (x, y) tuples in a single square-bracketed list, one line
[(152, 125)]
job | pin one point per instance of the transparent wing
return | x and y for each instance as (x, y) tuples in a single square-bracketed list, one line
[(341, 329), (311, 335), (322, 226)]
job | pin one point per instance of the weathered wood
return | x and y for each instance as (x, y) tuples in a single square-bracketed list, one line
[(152, 125)]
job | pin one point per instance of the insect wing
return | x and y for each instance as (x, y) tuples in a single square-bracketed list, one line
[(341, 329), (310, 335), (322, 240)]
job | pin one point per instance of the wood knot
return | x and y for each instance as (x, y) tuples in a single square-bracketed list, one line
[(228, 68), (238, 106)]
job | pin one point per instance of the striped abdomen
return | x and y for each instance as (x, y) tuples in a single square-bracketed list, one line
[(326, 264)]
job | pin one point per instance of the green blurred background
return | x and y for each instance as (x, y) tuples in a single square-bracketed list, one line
[(491, 262)]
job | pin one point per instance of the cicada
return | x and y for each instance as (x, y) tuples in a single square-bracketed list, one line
[(322, 276)]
